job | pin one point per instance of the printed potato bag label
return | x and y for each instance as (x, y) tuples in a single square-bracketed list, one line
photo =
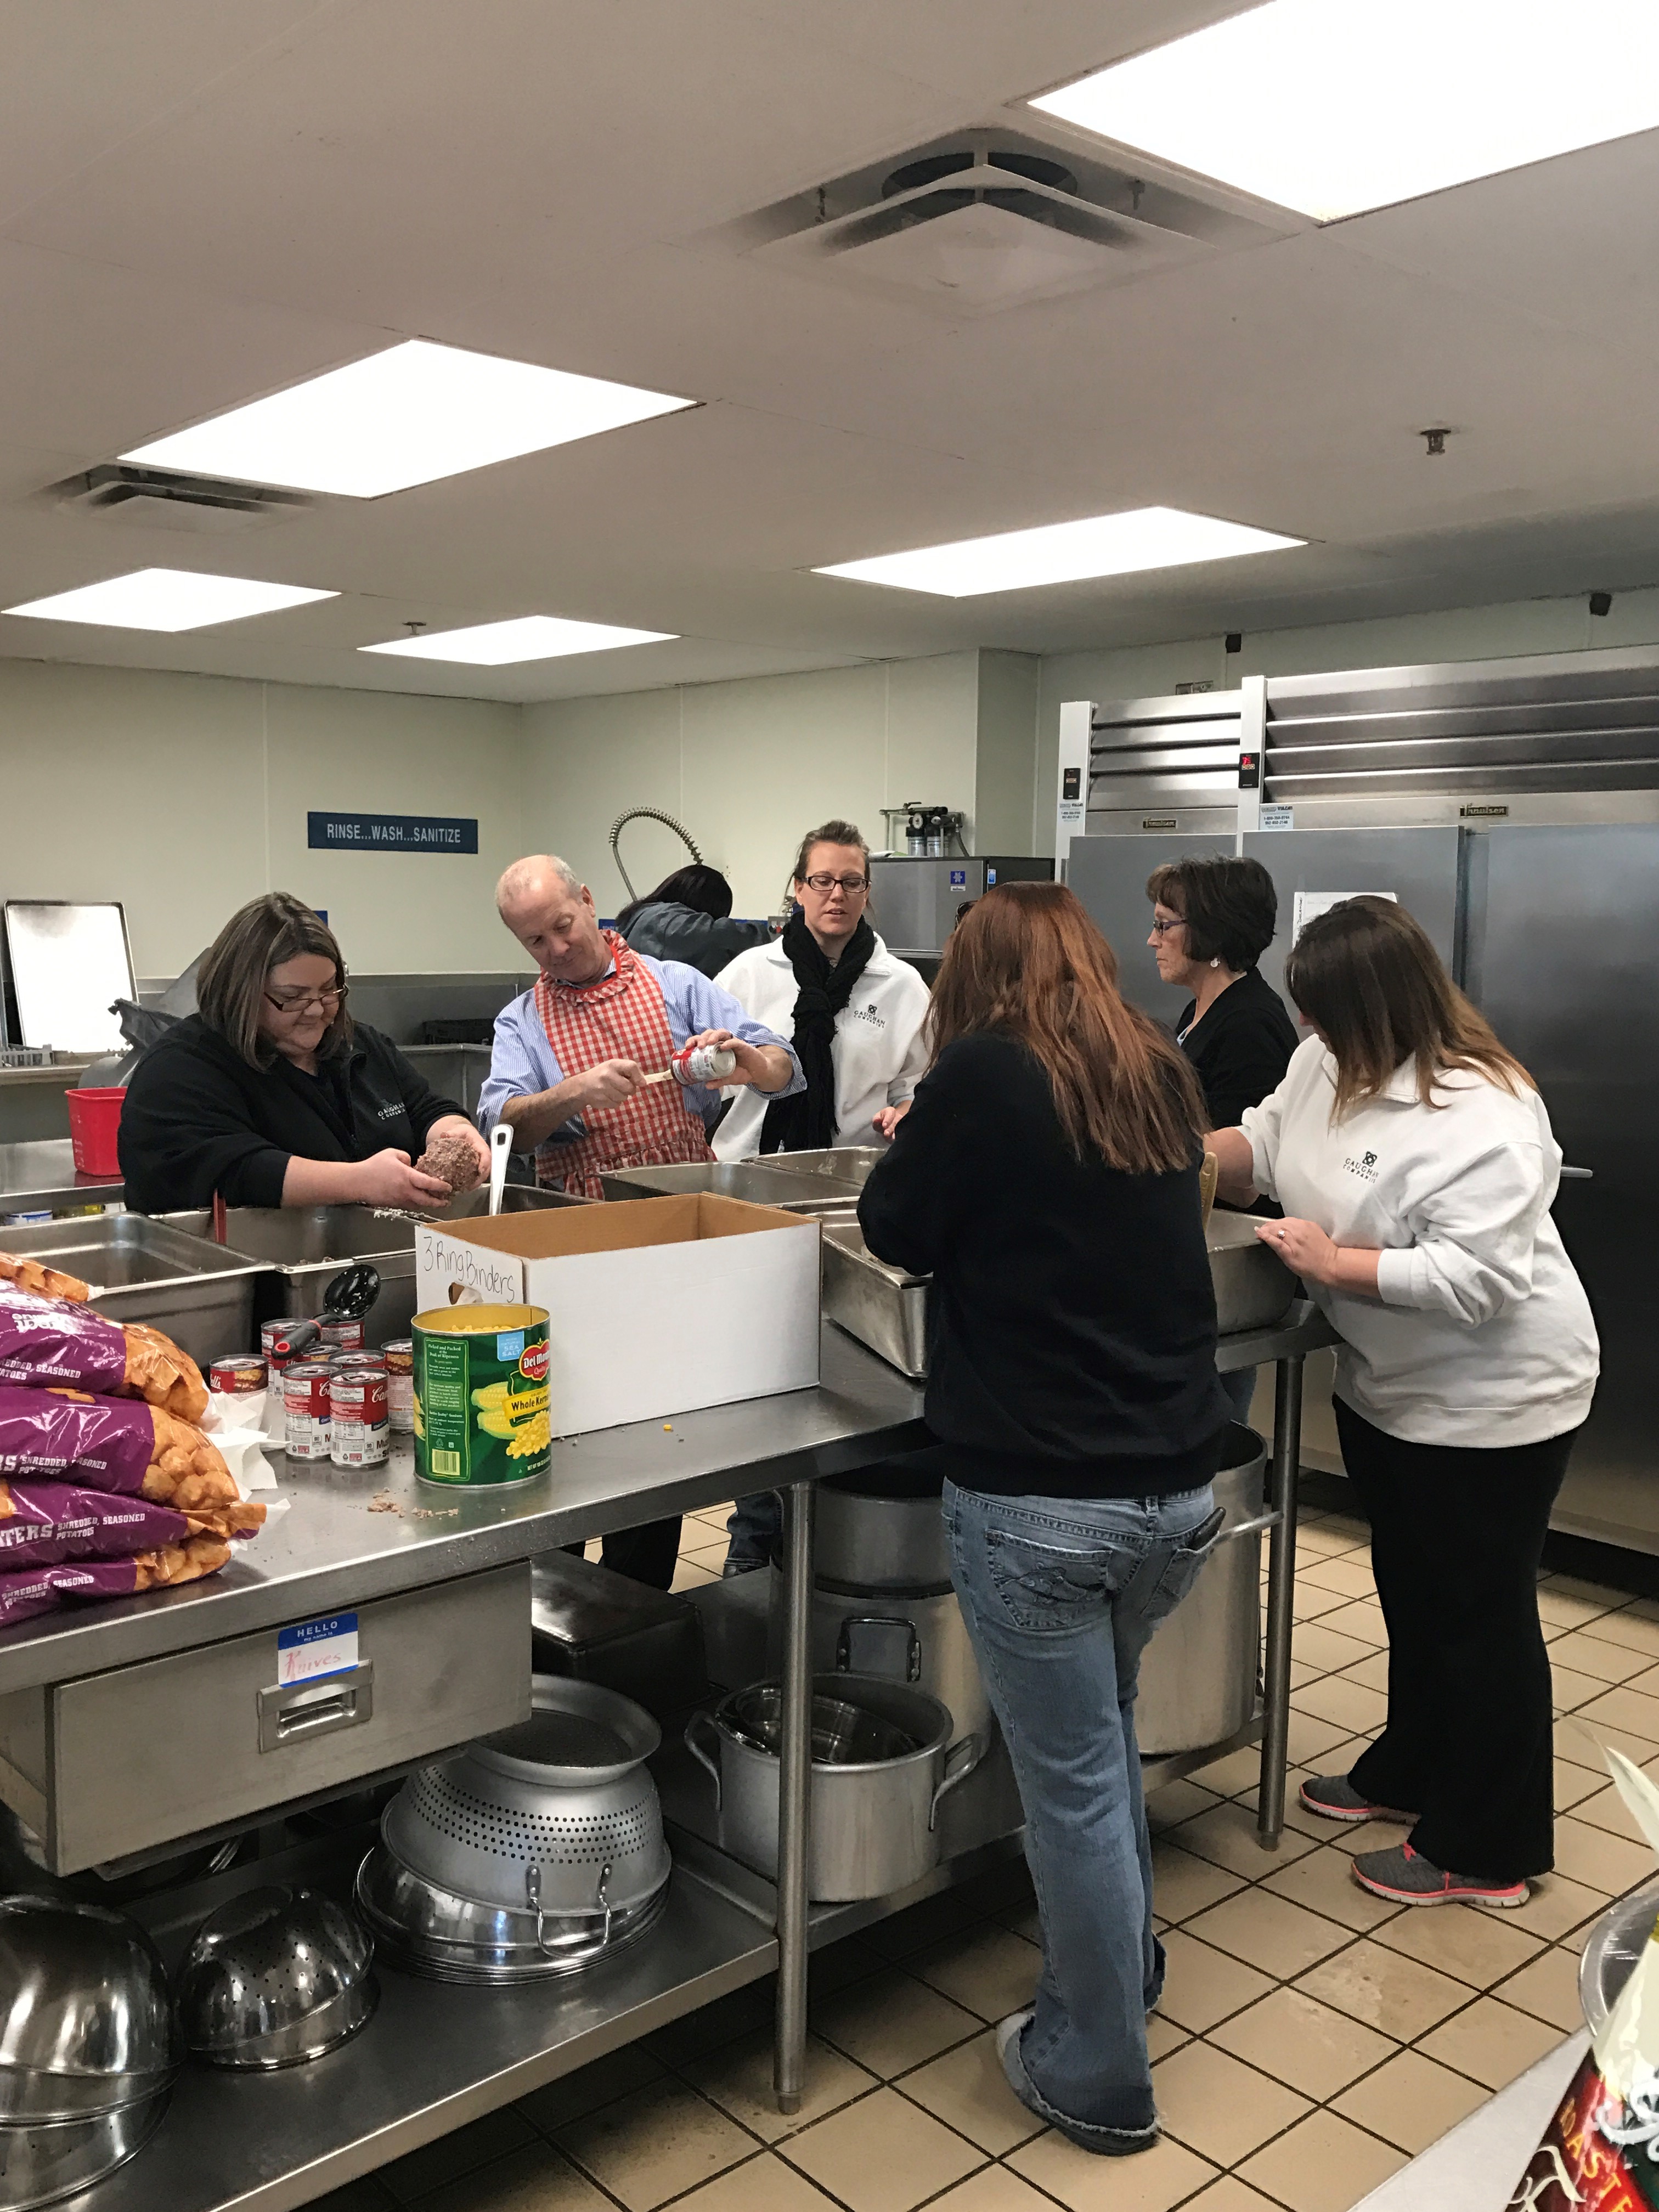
[(481, 1398)]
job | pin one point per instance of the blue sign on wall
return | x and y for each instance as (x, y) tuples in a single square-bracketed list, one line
[(391, 833)]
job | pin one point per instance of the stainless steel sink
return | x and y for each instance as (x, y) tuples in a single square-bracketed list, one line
[(297, 1250), (882, 1306), (849, 1163), (1253, 1287), (887, 1310), (152, 1271), (796, 1190)]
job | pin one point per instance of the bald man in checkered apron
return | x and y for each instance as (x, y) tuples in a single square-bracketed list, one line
[(570, 1071)]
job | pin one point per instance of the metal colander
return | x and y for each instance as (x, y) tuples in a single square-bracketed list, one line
[(557, 1815), (275, 1977)]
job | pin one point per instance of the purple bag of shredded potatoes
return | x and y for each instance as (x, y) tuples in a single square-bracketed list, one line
[(47, 1341), (104, 1443), (44, 1524), (43, 1590)]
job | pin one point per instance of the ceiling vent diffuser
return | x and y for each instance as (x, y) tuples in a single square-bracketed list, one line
[(987, 219), (162, 498)]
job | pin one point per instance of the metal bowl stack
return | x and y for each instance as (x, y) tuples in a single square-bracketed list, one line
[(537, 1851), (275, 1976), (89, 2052)]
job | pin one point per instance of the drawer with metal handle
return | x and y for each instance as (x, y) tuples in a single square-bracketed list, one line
[(111, 1765)]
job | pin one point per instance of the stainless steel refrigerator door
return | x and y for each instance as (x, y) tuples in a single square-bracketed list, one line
[(1420, 867), (1562, 923), (1109, 874)]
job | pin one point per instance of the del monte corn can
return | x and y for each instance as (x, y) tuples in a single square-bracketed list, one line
[(481, 1409)]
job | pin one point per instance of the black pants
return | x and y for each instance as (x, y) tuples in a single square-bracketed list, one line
[(649, 1553), (1456, 1538)]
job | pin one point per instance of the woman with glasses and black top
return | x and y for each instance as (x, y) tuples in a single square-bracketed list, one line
[(1212, 922), (270, 1095)]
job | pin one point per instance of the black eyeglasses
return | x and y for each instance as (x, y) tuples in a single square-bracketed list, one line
[(850, 885), (299, 1002)]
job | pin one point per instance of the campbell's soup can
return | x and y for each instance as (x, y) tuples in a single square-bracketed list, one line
[(306, 1409), (239, 1376), (294, 1337), (359, 1430), (703, 1063), (340, 1333), (482, 1414), (400, 1384), (341, 1362)]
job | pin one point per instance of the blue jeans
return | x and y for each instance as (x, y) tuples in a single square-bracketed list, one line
[(1060, 1595), (1239, 1389)]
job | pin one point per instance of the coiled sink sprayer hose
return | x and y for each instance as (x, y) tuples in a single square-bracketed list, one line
[(647, 814)]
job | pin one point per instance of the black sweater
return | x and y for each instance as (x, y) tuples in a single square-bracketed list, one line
[(1072, 1350), (198, 1119), (1241, 1049)]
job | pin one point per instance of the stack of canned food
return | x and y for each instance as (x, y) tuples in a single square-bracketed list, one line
[(340, 1401)]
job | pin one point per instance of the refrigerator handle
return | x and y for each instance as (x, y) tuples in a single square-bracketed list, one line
[(1578, 1174)]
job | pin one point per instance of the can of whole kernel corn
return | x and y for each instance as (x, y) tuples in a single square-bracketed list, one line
[(481, 1399)]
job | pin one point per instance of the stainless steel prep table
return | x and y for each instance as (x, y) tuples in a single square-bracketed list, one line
[(41, 1174), (438, 2057)]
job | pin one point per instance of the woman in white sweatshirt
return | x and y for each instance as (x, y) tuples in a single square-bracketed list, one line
[(1415, 1164)]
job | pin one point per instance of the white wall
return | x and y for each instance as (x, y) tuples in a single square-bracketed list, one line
[(182, 796), (1455, 634), (748, 767)]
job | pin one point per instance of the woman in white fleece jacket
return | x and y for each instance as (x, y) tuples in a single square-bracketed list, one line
[(1416, 1167)]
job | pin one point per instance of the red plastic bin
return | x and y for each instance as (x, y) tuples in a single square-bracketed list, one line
[(95, 1119)]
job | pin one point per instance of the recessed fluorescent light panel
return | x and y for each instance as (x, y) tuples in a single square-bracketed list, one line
[(1332, 107), (1064, 553), (169, 599), (531, 637), (406, 417)]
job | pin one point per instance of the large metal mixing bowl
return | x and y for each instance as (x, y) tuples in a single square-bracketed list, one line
[(86, 2023), (428, 1930), (41, 2163), (1615, 1943), (274, 1977)]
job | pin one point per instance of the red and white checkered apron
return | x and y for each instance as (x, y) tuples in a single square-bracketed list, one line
[(622, 1016)]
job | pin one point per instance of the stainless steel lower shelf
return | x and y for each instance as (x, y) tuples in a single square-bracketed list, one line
[(434, 2057)]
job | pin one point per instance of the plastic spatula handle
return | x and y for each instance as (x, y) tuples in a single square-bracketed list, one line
[(500, 1144)]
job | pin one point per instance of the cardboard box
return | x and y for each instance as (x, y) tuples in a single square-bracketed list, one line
[(657, 1307)]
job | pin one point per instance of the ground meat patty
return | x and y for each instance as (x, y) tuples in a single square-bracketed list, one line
[(453, 1160)]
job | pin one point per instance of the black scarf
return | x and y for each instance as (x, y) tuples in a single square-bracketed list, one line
[(807, 1122)]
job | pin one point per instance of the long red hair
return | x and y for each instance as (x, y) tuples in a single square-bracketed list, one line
[(1027, 961)]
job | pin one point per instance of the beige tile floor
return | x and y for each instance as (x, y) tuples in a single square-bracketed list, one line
[(1310, 2041)]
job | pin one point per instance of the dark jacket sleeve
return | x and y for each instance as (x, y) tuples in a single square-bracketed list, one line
[(424, 1104), (906, 1206), (703, 941), (185, 1133)]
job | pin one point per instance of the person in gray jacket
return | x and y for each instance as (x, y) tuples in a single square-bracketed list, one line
[(687, 918)]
